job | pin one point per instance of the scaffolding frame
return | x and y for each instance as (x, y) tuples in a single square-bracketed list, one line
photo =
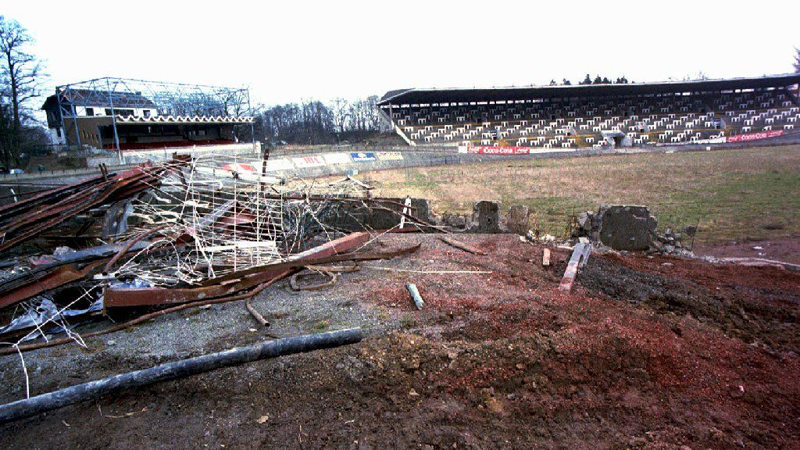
[(168, 98)]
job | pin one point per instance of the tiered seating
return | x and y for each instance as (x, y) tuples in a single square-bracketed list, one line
[(583, 122)]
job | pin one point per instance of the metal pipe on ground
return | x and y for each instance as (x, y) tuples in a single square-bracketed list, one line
[(177, 369), (418, 301)]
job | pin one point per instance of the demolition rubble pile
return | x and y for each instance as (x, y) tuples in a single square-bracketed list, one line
[(190, 232), (614, 227), (631, 228), (176, 235)]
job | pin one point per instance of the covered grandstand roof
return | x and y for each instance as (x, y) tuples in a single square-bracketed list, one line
[(92, 97), (459, 95), (170, 120)]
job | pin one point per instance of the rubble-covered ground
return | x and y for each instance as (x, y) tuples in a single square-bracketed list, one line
[(782, 249), (645, 353), (728, 194)]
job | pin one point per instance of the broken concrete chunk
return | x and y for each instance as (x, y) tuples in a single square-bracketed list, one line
[(517, 219), (485, 217), (454, 220), (353, 216), (626, 227), (585, 221)]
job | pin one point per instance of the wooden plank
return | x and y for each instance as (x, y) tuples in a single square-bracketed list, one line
[(580, 254), (405, 212), (462, 246)]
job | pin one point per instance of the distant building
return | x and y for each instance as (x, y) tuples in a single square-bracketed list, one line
[(88, 103), (87, 116)]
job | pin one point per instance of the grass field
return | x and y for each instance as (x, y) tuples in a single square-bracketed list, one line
[(732, 194)]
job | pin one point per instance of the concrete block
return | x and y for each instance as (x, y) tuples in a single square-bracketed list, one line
[(517, 219), (485, 217), (626, 227)]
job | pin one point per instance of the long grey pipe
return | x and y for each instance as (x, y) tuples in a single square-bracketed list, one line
[(177, 369)]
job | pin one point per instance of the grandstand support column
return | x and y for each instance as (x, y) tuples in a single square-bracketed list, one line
[(396, 129), (791, 94), (252, 125), (74, 110), (114, 120), (61, 109)]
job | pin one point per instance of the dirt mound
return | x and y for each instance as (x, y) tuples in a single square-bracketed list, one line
[(645, 353)]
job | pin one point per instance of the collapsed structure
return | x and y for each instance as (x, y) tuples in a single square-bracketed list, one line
[(126, 115), (213, 228), (177, 232)]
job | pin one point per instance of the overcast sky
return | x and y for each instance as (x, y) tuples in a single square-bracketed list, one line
[(293, 50)]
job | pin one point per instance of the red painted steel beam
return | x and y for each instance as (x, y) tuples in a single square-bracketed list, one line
[(122, 185), (57, 278)]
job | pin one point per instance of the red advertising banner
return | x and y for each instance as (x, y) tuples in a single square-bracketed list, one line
[(238, 168), (755, 136), (500, 150)]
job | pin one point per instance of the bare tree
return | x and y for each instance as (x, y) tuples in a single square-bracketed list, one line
[(21, 76), (339, 108), (797, 60), (314, 122), (374, 123)]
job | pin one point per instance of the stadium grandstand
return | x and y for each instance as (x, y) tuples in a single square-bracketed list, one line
[(127, 114), (597, 116)]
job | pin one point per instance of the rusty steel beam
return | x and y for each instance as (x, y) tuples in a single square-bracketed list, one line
[(334, 247), (24, 225), (51, 280), (46, 195), (243, 280), (218, 287), (329, 249), (462, 246), (121, 297), (138, 320)]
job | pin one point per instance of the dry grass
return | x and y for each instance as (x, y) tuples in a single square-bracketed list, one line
[(733, 194)]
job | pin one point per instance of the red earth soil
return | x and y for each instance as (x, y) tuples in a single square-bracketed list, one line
[(645, 353)]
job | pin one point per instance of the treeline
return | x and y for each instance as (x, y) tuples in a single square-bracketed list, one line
[(20, 76), (315, 122), (589, 80)]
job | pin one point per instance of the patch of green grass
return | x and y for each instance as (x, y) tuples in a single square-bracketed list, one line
[(320, 326), (753, 205), (407, 322), (732, 194)]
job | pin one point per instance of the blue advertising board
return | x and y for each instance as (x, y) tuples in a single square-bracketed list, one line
[(363, 156)]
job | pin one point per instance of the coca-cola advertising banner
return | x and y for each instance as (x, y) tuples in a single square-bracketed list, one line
[(755, 136), (500, 150)]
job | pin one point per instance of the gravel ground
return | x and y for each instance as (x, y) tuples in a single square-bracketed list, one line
[(199, 331), (644, 353)]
